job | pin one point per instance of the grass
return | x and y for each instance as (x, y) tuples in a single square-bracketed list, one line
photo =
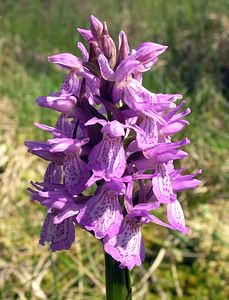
[(193, 267)]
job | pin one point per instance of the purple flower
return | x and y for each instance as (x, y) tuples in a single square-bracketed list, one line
[(127, 245), (107, 159), (75, 169), (111, 155), (103, 213), (130, 90), (61, 236), (162, 186)]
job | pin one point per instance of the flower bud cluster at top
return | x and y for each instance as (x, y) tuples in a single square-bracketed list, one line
[(111, 151)]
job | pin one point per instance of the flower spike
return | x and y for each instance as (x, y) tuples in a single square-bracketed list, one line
[(111, 153)]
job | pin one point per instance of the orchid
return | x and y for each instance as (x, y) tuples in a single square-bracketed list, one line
[(111, 154)]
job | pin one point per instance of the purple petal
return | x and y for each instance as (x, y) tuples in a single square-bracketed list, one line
[(63, 125), (127, 246), (83, 51), (94, 121), (86, 34), (66, 60), (53, 130), (125, 68), (76, 174), (106, 72), (175, 216), (140, 99), (164, 149), (103, 214), (67, 212), (53, 173), (61, 236), (181, 182), (67, 145), (107, 159), (42, 150), (96, 27), (114, 129), (147, 53), (174, 127), (123, 48), (58, 103), (128, 202), (162, 186), (149, 136), (70, 84)]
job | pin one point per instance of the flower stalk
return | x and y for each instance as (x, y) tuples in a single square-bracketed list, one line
[(118, 285)]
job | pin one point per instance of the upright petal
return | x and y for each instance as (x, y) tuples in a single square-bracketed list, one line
[(83, 51), (106, 71)]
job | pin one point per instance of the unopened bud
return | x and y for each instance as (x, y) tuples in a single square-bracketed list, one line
[(124, 50), (108, 46), (96, 28)]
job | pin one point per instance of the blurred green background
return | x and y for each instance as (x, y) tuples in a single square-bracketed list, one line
[(196, 64)]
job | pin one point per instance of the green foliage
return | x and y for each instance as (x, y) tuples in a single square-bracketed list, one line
[(177, 267)]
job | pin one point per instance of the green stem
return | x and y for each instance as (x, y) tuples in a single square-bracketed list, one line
[(118, 286)]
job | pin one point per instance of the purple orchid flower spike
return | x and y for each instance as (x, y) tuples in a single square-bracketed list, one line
[(107, 159), (103, 213), (113, 142)]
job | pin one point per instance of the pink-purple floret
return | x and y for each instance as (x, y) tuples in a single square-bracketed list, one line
[(115, 135)]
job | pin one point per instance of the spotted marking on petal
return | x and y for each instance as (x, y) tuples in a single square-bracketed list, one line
[(103, 214), (61, 236), (150, 136), (128, 244), (70, 84), (63, 124), (162, 186), (175, 216), (53, 173), (75, 173), (108, 157)]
